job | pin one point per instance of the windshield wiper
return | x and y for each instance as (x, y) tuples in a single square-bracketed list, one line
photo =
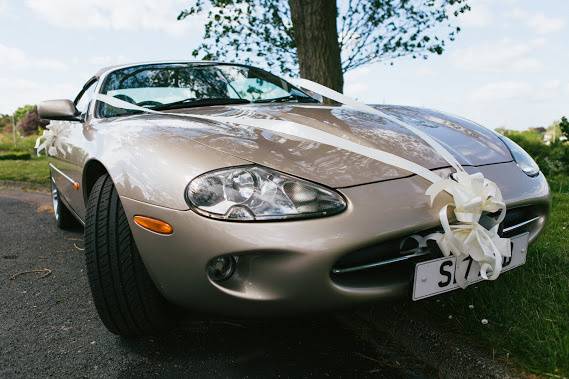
[(300, 99), (193, 102)]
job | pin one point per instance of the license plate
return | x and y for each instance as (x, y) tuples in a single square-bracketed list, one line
[(438, 275)]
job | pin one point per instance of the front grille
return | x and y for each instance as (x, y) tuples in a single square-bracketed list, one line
[(521, 220), (380, 264), (383, 263)]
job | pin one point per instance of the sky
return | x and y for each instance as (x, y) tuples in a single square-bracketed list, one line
[(509, 67)]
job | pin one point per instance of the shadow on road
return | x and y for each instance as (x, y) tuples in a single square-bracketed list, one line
[(319, 346)]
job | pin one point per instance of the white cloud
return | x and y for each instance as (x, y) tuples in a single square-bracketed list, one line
[(106, 60), (12, 58), (128, 15), (538, 22), (3, 6), (356, 82), (501, 56), (17, 87), (23, 91), (548, 90), (553, 84), (424, 71), (506, 90), (518, 90)]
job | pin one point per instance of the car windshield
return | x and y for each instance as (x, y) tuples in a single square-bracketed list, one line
[(184, 85)]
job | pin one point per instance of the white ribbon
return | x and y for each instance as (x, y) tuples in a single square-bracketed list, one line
[(472, 194), (51, 143), (346, 100)]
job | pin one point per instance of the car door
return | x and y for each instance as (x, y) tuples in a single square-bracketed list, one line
[(71, 152)]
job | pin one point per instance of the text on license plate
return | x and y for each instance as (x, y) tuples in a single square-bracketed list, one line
[(438, 275)]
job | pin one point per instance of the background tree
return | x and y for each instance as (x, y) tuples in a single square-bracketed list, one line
[(321, 40), (564, 126), (30, 123), (26, 118), (5, 121), (22, 111)]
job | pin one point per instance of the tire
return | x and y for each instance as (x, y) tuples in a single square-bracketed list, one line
[(124, 295), (64, 219)]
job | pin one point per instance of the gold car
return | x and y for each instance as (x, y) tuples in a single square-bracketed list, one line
[(189, 212)]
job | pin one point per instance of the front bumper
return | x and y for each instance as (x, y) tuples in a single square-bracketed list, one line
[(286, 267)]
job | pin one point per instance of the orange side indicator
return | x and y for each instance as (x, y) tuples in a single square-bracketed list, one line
[(154, 225), (76, 186)]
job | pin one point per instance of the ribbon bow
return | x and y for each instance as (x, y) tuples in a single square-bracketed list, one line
[(472, 196), (51, 143)]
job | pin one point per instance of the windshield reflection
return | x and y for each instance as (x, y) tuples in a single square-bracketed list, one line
[(181, 85)]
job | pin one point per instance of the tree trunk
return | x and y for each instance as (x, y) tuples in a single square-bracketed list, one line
[(316, 37)]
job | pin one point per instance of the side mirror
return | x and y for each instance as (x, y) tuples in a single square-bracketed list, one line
[(64, 110)]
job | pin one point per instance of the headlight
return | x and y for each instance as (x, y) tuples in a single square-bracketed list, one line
[(523, 159), (248, 193)]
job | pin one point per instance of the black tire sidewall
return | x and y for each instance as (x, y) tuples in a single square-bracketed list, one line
[(126, 298)]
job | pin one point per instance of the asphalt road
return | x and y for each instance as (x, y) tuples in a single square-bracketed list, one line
[(49, 327)]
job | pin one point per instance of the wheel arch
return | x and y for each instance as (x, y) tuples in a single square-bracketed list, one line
[(92, 171)]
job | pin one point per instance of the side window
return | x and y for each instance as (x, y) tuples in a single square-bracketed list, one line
[(84, 98)]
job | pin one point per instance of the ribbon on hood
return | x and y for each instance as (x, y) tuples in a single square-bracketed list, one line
[(472, 194)]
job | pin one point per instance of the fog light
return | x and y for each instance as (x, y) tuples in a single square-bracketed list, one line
[(221, 268)]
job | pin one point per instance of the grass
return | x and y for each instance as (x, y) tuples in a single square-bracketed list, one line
[(18, 163), (23, 144), (527, 309), (32, 171), (559, 184)]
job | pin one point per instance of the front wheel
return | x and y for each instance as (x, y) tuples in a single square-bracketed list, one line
[(64, 219), (125, 296)]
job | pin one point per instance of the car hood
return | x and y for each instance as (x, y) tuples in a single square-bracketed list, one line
[(470, 143)]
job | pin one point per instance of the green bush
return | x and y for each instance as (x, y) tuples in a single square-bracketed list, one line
[(22, 156), (553, 159)]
